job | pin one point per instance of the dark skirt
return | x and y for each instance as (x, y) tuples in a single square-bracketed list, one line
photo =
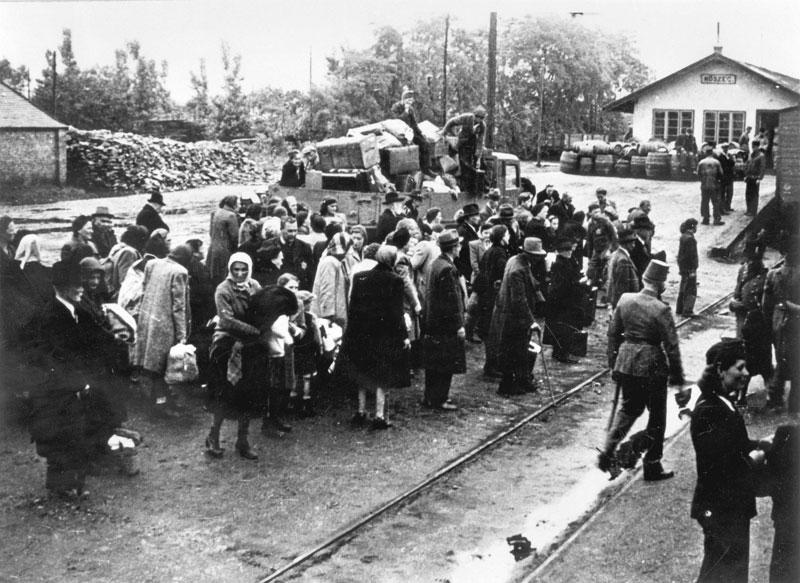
[(249, 394)]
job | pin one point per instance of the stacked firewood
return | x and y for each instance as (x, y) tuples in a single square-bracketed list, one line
[(127, 162)]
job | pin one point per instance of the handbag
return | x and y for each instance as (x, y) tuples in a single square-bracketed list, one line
[(181, 364)]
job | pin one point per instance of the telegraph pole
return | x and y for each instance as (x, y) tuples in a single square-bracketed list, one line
[(490, 90), (444, 70), (310, 95), (541, 109), (55, 81)]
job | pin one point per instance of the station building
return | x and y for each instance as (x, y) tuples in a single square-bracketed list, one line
[(718, 97), (32, 144)]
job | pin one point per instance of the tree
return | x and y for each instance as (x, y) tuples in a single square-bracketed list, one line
[(231, 115), (18, 78), (199, 105)]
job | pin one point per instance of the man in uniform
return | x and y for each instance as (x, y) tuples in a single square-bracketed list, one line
[(644, 356), (709, 171)]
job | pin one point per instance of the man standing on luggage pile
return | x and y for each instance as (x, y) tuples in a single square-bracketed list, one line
[(644, 356)]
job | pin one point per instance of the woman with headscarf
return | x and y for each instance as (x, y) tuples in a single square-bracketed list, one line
[(332, 282), (164, 321), (123, 255), (224, 230), (724, 497), (27, 289), (80, 244), (226, 399), (375, 345)]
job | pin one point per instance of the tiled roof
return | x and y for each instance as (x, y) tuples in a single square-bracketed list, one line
[(625, 103), (18, 112)]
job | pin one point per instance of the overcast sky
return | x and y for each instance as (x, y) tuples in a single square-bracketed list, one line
[(275, 38)]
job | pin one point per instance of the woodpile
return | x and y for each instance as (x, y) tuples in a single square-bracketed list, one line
[(127, 162)]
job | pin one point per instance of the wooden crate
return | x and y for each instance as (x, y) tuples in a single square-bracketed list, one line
[(403, 160), (358, 152)]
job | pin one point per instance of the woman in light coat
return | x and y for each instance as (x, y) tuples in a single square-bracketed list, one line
[(224, 232), (332, 282), (164, 320)]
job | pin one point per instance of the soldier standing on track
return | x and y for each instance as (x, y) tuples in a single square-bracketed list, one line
[(644, 356), (709, 170)]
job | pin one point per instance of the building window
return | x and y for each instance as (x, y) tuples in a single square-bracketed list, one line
[(669, 124), (722, 126)]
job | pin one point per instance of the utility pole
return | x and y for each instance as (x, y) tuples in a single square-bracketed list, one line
[(55, 81), (541, 109), (310, 96), (490, 86), (444, 70)]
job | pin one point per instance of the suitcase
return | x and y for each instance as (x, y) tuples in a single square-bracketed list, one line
[(353, 181), (588, 304), (358, 152), (403, 160)]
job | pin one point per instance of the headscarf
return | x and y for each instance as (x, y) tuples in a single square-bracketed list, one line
[(240, 257), (271, 228), (339, 244), (28, 251)]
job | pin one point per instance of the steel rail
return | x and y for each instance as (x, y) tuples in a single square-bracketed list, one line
[(458, 462)]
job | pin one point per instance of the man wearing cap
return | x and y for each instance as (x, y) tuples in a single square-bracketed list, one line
[(468, 231), (411, 205), (602, 200), (443, 344), (753, 175), (150, 215), (709, 170), (687, 267), (492, 204), (390, 216), (470, 146), (513, 317), (103, 235), (600, 235), (404, 110), (622, 274), (644, 356), (505, 216), (728, 165)]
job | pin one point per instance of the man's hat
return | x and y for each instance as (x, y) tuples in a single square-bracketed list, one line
[(414, 195), (156, 197), (643, 222), (407, 93), (448, 239), (90, 265), (479, 111), (65, 273), (533, 246), (626, 235), (494, 194), (506, 211), (601, 190), (392, 196), (102, 211), (523, 196), (656, 271), (689, 223), (471, 209)]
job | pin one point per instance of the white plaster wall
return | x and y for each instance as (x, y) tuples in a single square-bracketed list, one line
[(687, 93)]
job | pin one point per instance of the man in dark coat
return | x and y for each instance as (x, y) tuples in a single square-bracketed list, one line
[(640, 253), (390, 216), (513, 317), (297, 256), (103, 235), (443, 345), (548, 194), (563, 209), (487, 284), (564, 296), (492, 204), (470, 146), (622, 274), (505, 216), (641, 325), (724, 497), (468, 231), (753, 175), (404, 110), (293, 172), (728, 165), (599, 238), (150, 215)]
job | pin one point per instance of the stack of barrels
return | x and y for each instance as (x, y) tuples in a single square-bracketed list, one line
[(638, 160)]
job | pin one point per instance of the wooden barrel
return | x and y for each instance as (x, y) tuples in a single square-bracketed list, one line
[(586, 148), (604, 164), (602, 148), (638, 166), (623, 167), (617, 148), (654, 146), (629, 150), (657, 165), (586, 165), (569, 162)]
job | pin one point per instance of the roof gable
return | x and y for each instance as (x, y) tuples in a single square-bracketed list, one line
[(17, 112), (625, 104)]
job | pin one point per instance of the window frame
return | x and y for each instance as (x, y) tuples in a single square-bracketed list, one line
[(733, 133), (680, 114)]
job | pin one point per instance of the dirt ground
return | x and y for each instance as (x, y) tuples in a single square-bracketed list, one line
[(190, 518)]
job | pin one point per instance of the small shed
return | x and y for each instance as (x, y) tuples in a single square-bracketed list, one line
[(33, 145)]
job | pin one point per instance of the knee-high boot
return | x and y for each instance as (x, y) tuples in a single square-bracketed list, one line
[(242, 443)]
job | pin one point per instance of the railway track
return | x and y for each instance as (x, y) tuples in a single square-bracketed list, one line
[(462, 460)]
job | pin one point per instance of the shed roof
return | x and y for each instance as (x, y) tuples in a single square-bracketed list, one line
[(625, 104), (18, 113)]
